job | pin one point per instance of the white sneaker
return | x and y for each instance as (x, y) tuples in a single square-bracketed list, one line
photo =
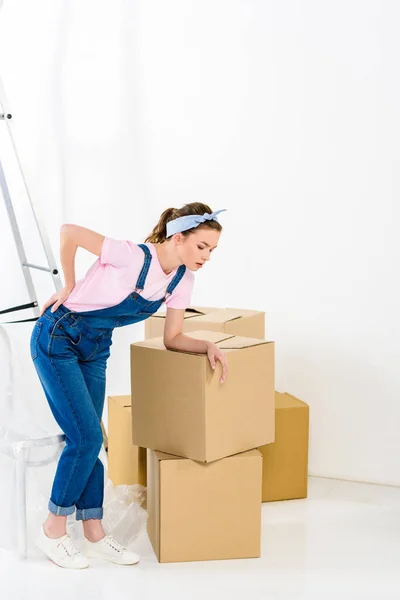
[(62, 551), (109, 549)]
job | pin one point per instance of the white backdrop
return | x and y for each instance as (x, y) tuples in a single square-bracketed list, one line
[(284, 113)]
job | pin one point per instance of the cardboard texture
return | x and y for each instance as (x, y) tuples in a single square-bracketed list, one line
[(126, 462), (200, 511), (285, 462), (236, 321), (180, 407), (105, 436)]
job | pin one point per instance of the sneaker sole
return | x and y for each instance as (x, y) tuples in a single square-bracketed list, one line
[(89, 554)]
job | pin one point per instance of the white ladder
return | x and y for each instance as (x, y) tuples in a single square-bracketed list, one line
[(51, 267)]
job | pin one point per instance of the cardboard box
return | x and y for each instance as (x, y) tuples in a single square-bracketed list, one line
[(105, 436), (126, 462), (180, 407), (285, 462), (236, 321), (200, 511)]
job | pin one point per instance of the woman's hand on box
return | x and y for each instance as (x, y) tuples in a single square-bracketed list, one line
[(215, 354)]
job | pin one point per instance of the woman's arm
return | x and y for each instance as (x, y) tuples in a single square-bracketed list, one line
[(72, 236), (174, 339)]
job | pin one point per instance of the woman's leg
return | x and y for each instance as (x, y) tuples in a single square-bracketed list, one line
[(72, 406), (55, 526), (94, 373)]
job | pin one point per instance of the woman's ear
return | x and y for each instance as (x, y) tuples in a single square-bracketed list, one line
[(178, 239)]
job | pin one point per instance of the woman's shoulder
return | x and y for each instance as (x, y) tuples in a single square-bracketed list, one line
[(120, 252)]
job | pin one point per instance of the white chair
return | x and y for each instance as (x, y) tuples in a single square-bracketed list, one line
[(29, 435), (27, 453)]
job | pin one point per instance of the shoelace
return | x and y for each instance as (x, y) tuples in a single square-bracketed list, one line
[(68, 545), (114, 544)]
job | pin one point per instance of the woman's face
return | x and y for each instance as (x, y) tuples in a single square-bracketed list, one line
[(195, 249)]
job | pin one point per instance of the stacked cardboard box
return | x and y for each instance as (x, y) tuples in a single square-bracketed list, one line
[(237, 321), (285, 461), (214, 451), (204, 469), (204, 511), (126, 462)]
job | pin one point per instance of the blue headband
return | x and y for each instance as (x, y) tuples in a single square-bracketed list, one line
[(190, 221)]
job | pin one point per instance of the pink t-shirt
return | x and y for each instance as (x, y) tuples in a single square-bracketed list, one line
[(114, 275)]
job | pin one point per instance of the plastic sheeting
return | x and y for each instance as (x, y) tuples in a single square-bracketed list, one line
[(30, 445)]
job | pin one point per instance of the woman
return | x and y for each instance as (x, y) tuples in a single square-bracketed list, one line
[(71, 342)]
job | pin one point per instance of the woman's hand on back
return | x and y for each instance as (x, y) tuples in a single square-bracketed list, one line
[(57, 299)]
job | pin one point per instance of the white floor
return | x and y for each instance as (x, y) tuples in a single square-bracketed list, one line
[(343, 542)]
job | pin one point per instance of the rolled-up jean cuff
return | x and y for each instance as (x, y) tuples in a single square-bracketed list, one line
[(61, 510), (88, 513)]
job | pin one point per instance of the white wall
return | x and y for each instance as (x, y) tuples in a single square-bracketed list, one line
[(284, 113)]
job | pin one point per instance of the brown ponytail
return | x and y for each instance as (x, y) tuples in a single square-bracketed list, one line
[(159, 233)]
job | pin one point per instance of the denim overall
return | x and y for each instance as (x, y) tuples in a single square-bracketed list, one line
[(70, 351)]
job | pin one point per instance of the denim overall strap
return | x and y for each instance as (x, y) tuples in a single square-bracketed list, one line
[(178, 276), (145, 269)]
